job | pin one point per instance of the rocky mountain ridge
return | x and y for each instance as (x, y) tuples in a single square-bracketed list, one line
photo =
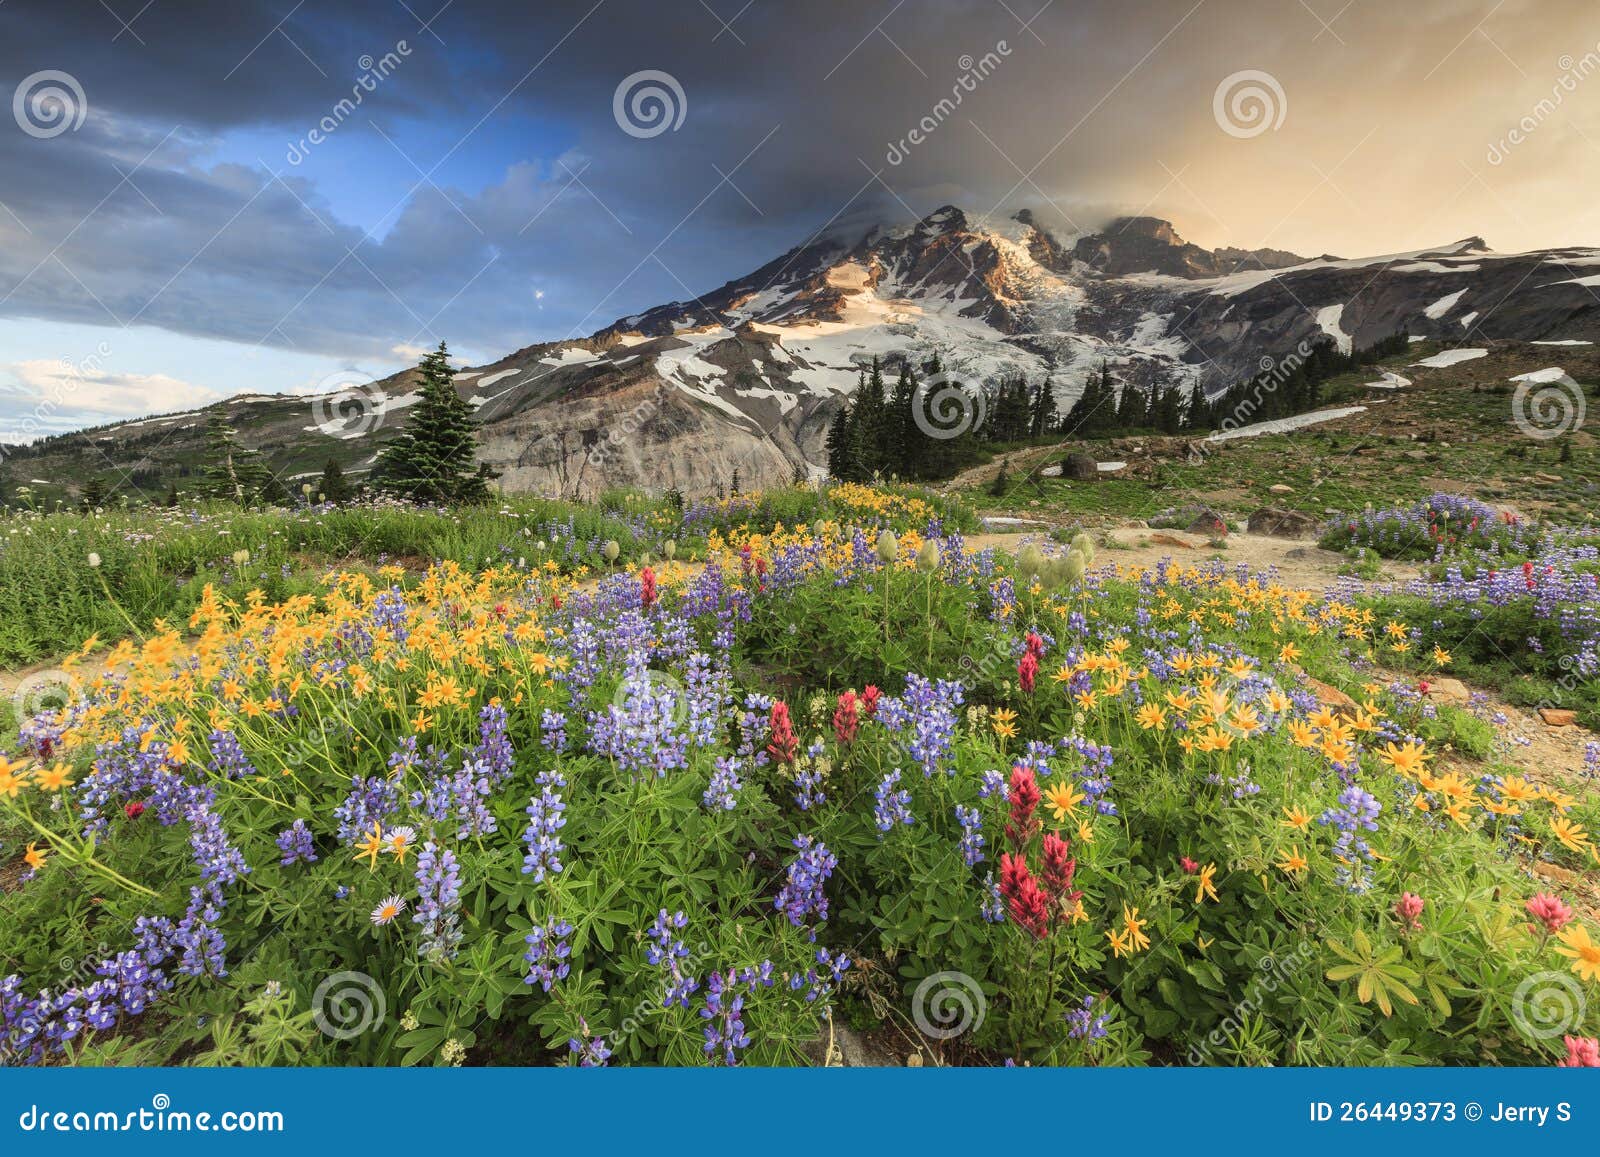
[(747, 376)]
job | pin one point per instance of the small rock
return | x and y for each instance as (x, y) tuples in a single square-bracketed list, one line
[(1280, 488), (1208, 522), (1080, 468), (1449, 690), (1558, 716), (1280, 523), (1418, 455), (1332, 697), (1051, 471), (1548, 479)]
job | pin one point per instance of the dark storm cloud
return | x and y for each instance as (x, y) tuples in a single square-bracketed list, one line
[(797, 113)]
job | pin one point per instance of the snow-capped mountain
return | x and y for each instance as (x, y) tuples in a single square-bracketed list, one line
[(747, 376)]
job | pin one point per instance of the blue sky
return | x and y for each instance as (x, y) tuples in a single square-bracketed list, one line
[(161, 248)]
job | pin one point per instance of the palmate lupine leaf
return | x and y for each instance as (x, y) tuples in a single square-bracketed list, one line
[(1380, 977)]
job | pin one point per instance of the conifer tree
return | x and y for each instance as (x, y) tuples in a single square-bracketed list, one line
[(839, 461), (232, 471), (434, 458), (1044, 409), (333, 486), (94, 493)]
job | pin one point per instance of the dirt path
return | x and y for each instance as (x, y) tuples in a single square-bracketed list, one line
[(1297, 563)]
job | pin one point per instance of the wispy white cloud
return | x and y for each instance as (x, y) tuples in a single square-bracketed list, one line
[(41, 397)]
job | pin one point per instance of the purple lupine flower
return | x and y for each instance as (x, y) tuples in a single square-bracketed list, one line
[(1083, 1024), (553, 730), (971, 834), (545, 820), (893, 807), (548, 953), (296, 845), (227, 756), (438, 902), (803, 893), (723, 1014), (723, 791), (668, 953)]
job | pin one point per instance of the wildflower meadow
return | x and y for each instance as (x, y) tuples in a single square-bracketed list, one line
[(776, 770)]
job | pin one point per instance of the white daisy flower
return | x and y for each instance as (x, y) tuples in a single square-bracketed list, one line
[(388, 910)]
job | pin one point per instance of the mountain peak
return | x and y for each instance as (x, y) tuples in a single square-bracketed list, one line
[(944, 219), (1151, 228)]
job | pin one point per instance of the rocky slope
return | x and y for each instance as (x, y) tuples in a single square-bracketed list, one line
[(747, 376)]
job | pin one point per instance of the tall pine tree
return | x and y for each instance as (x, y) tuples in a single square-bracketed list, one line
[(232, 472), (434, 458)]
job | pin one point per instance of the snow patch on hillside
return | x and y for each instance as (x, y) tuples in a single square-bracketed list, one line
[(1285, 425), (1444, 305), (1328, 319), (1448, 358)]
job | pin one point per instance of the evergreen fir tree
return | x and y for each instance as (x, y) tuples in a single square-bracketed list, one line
[(907, 444), (839, 461), (1044, 409), (232, 471), (434, 458), (94, 493), (333, 486)]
